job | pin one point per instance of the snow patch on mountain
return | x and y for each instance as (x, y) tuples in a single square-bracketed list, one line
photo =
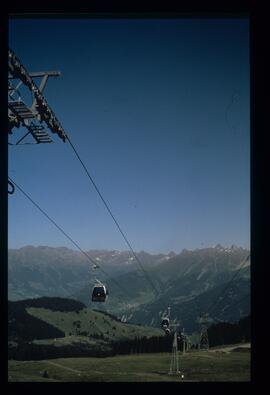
[(201, 274), (187, 271)]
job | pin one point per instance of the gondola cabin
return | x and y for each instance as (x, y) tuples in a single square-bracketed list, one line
[(167, 331), (165, 323), (99, 293)]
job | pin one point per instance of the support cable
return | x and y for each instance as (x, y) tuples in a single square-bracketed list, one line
[(67, 236), (112, 216)]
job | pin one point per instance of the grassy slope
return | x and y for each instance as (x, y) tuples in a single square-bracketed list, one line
[(93, 323), (197, 366)]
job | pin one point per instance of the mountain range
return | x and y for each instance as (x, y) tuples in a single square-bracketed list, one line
[(48, 271), (214, 278)]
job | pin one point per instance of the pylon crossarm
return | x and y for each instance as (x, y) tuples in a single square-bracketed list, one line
[(40, 108)]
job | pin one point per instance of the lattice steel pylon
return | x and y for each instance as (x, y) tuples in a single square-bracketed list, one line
[(204, 320), (185, 341), (174, 364), (204, 341)]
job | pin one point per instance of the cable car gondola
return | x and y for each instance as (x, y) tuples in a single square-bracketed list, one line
[(167, 331), (165, 323), (99, 293)]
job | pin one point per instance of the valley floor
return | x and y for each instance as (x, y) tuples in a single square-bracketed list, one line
[(230, 363)]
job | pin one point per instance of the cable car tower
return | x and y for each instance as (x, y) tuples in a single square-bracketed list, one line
[(185, 339), (174, 365), (33, 116), (204, 321), (169, 326)]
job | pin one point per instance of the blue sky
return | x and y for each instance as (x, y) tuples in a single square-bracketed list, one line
[(159, 113)]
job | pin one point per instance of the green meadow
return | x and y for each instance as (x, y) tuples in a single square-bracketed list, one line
[(213, 365)]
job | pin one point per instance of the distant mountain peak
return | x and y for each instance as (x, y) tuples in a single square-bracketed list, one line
[(219, 247)]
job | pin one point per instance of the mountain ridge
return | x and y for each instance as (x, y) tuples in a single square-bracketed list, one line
[(179, 278)]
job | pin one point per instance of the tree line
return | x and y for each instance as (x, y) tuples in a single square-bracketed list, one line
[(229, 333), (48, 302), (153, 344)]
